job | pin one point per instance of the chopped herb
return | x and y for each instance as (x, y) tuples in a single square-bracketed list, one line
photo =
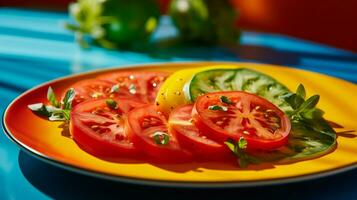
[(112, 104), (52, 98), (56, 111), (242, 143), (231, 145), (300, 91), (161, 138), (238, 149), (40, 109), (226, 100), (68, 98), (66, 114), (114, 89), (216, 107), (60, 115)]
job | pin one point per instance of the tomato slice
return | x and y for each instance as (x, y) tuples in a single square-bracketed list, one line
[(101, 130), (152, 136), (91, 89), (191, 138), (137, 84), (239, 114)]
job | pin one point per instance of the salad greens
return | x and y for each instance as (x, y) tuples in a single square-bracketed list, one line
[(306, 113), (238, 149), (303, 144), (311, 135), (56, 111), (112, 104)]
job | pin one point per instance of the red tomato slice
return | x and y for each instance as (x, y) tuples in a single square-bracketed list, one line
[(102, 131), (146, 123), (260, 122), (142, 85), (191, 138), (91, 89)]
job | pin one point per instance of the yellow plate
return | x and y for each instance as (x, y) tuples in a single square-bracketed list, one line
[(45, 140)]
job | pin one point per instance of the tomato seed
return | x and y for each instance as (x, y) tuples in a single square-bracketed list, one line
[(219, 123), (246, 132), (145, 124), (119, 137)]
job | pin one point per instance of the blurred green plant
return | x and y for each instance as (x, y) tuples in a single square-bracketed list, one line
[(114, 23), (207, 22), (122, 24)]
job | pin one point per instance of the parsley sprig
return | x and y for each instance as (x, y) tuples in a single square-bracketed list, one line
[(305, 111), (239, 150), (57, 110)]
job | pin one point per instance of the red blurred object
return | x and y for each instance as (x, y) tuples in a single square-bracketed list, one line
[(164, 4), (325, 21), (43, 4)]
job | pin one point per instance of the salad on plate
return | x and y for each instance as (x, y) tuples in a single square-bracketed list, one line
[(220, 114)]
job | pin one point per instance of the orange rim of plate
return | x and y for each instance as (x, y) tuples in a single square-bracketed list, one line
[(344, 157)]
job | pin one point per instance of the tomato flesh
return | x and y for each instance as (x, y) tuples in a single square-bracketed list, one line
[(246, 115), (191, 138), (90, 89), (143, 86), (136, 85), (144, 123), (102, 131)]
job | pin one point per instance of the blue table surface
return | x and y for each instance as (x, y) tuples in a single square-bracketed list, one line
[(34, 48)]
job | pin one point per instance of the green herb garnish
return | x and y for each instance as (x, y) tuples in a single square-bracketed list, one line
[(112, 104), (52, 98), (305, 111), (56, 111), (217, 107), (114, 89), (161, 138), (39, 109), (226, 100), (239, 150), (67, 99)]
